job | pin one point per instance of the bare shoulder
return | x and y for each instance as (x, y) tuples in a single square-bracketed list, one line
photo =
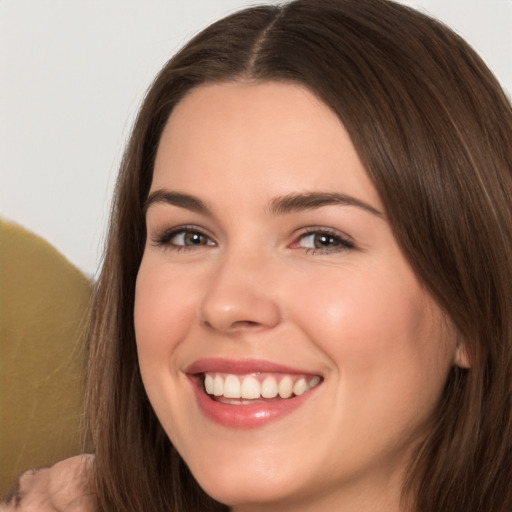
[(63, 487)]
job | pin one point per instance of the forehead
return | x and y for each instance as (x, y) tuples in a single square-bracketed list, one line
[(258, 133)]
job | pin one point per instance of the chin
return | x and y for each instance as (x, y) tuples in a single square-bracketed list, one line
[(260, 484)]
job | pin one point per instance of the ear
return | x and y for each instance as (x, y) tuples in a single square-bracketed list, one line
[(461, 358)]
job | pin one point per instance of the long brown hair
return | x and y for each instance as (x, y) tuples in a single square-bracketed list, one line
[(434, 131)]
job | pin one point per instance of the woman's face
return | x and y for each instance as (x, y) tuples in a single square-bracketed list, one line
[(271, 278)]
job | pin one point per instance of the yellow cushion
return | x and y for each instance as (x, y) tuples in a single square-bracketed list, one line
[(43, 308)]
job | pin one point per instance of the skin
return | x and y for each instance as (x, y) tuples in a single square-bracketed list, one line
[(64, 487), (255, 287)]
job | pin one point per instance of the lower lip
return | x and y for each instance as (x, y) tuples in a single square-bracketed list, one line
[(246, 416)]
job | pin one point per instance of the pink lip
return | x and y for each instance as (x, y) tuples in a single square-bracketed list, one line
[(240, 367), (247, 416)]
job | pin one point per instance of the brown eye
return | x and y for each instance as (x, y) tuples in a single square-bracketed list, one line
[(189, 238), (324, 241), (192, 238), (182, 238)]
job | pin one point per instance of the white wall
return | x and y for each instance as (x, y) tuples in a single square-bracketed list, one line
[(72, 74)]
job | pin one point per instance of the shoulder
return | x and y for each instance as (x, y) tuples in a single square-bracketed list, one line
[(63, 487)]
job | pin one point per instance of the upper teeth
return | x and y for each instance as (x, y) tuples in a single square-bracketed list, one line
[(258, 385)]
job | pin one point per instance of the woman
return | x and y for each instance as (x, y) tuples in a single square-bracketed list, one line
[(305, 302)]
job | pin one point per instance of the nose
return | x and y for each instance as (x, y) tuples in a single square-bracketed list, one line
[(239, 296)]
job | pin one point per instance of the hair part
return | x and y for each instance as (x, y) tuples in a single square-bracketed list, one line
[(434, 131)]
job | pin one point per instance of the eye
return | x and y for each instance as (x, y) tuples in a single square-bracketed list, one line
[(323, 241), (183, 238), (189, 238)]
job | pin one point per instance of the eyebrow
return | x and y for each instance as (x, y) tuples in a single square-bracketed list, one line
[(311, 200), (187, 201), (278, 206)]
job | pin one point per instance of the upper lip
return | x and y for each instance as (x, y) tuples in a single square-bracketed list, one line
[(242, 367)]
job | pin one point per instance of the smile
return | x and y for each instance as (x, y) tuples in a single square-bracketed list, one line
[(249, 393), (241, 388)]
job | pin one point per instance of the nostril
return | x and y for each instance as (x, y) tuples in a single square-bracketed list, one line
[(245, 324), (239, 324)]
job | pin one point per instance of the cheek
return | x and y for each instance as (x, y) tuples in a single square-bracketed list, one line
[(351, 306), (379, 329), (162, 314), (388, 351)]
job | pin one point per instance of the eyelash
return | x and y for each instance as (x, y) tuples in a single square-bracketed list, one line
[(164, 239), (342, 242)]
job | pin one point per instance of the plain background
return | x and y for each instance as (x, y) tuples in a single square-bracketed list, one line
[(73, 73)]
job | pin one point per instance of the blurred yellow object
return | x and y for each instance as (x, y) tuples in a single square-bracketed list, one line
[(43, 316)]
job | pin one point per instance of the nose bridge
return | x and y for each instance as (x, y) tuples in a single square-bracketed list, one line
[(239, 293)]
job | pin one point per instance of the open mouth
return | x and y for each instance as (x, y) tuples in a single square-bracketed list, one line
[(246, 394), (247, 389)]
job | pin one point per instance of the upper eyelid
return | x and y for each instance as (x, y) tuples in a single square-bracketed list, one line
[(346, 241), (308, 230), (168, 233), (158, 235)]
